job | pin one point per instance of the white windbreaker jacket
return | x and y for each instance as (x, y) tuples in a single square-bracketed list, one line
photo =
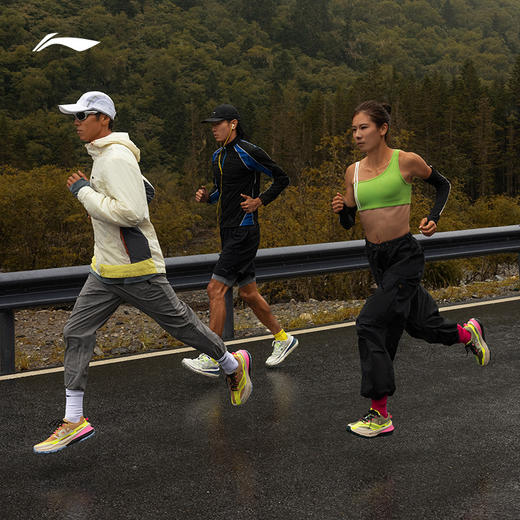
[(125, 243)]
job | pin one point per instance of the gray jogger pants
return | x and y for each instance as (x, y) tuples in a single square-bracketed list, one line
[(155, 297)]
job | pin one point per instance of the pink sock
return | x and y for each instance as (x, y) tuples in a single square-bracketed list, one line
[(464, 335), (380, 405)]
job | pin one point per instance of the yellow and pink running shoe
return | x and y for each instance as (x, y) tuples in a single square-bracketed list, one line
[(239, 382), (477, 345), (372, 424), (66, 433)]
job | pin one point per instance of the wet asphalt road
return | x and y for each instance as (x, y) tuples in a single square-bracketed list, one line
[(169, 445)]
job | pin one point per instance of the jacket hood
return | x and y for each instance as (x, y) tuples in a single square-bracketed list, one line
[(122, 138)]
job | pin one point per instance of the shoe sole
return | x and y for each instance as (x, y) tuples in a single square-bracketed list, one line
[(487, 353), (387, 431), (84, 437), (200, 372), (282, 359)]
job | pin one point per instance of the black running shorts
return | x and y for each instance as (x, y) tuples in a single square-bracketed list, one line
[(236, 262)]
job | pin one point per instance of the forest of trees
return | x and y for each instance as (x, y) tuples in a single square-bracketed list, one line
[(294, 68)]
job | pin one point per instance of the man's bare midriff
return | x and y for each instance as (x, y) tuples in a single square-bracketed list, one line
[(384, 224)]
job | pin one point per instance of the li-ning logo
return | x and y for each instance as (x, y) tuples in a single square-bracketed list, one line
[(78, 44)]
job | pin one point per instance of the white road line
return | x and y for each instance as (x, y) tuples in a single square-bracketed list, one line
[(237, 341)]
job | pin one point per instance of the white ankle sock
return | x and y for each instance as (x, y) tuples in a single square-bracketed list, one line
[(74, 405), (228, 363)]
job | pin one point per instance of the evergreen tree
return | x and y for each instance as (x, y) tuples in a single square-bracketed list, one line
[(448, 13), (308, 21), (513, 134), (260, 11)]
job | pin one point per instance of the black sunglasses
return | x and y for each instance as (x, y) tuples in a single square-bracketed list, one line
[(81, 116)]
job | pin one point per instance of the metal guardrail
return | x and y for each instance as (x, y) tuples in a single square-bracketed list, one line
[(24, 289)]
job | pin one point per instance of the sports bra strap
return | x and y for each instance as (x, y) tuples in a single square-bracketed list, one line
[(356, 182)]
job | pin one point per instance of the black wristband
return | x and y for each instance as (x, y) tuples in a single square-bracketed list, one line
[(347, 216)]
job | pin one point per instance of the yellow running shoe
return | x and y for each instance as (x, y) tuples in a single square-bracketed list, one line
[(372, 425), (477, 344), (239, 382), (66, 433)]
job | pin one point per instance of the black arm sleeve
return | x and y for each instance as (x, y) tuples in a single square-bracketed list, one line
[(280, 178), (442, 187), (347, 216), (213, 195)]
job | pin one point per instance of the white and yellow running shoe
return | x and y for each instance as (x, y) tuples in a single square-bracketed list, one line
[(281, 349), (203, 365)]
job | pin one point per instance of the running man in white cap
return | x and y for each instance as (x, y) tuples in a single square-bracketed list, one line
[(127, 267)]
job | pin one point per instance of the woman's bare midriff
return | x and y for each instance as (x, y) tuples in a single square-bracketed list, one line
[(384, 224)]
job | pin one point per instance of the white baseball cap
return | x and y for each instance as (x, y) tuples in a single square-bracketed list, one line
[(94, 100)]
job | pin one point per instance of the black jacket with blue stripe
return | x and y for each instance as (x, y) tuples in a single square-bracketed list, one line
[(242, 164)]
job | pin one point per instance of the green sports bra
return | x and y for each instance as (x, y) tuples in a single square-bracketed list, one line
[(385, 190)]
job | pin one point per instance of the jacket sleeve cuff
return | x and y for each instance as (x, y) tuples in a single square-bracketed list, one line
[(74, 188)]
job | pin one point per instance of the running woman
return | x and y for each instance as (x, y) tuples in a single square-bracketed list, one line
[(127, 266), (237, 169), (379, 187)]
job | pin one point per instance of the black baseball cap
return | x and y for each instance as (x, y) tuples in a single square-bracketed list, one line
[(221, 113)]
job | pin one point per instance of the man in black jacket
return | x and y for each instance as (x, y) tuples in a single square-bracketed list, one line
[(237, 168)]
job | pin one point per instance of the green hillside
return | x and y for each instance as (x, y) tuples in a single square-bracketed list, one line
[(166, 63), (294, 68)]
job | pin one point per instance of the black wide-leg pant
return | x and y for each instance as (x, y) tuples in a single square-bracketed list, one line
[(399, 303)]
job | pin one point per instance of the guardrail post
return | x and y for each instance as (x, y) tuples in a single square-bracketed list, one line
[(229, 325), (6, 341)]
